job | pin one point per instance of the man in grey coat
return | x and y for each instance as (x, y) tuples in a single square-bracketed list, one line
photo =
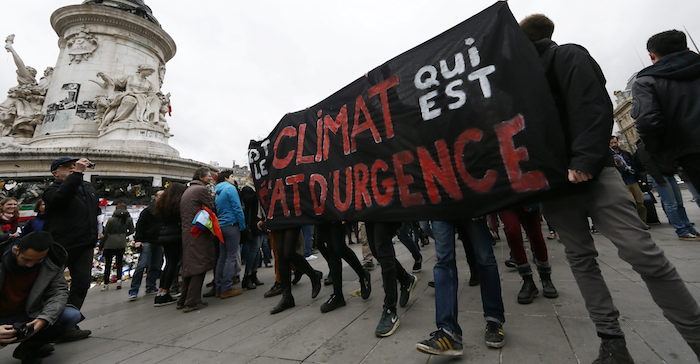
[(33, 296)]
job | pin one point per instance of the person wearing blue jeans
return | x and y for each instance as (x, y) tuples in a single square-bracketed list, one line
[(672, 202), (151, 260), (307, 232), (232, 222), (447, 339)]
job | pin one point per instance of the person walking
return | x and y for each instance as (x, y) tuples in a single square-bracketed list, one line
[(596, 190), (113, 246), (529, 218), (198, 253), (230, 214)]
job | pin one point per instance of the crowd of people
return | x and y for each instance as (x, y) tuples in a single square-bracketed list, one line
[(212, 224)]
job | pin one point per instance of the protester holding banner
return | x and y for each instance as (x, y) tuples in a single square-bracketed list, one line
[(330, 240), (597, 191), (379, 235), (198, 253), (447, 339), (287, 241)]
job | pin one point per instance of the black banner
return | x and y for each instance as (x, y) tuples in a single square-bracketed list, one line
[(459, 126)]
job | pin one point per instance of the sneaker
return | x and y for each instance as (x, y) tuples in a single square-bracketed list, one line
[(388, 323), (119, 284), (440, 343), (268, 265), (407, 291), (316, 283), (431, 284), (32, 352), (689, 237), (613, 351), (368, 265), (474, 280), (418, 265), (495, 336), (104, 287), (311, 257), (552, 235), (163, 300), (335, 301), (510, 263), (133, 296), (151, 291), (328, 280)]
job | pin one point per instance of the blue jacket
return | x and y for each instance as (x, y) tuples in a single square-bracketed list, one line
[(228, 206)]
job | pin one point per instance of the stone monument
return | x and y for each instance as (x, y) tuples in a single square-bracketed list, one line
[(102, 100)]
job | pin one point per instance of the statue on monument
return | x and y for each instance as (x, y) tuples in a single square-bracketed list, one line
[(132, 98), (20, 113)]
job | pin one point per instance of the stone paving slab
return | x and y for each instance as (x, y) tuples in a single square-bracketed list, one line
[(241, 330)]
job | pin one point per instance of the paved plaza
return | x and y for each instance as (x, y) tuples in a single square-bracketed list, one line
[(241, 330)]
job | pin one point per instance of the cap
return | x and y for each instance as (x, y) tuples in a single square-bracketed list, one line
[(61, 161)]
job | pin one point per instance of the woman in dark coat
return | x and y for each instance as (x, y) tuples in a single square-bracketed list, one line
[(37, 222), (198, 253), (118, 227)]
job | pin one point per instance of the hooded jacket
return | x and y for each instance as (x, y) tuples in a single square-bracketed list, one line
[(665, 105), (228, 206), (49, 294), (585, 110), (118, 227)]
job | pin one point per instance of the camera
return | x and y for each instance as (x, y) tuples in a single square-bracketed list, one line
[(22, 331), (91, 165)]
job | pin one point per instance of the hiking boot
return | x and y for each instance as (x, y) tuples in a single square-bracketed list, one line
[(286, 302), (163, 300), (440, 343), (495, 336), (275, 290), (365, 285), (528, 291), (548, 289), (195, 307), (407, 290), (316, 283), (230, 293), (418, 265), (335, 301), (613, 351), (73, 334), (388, 323)]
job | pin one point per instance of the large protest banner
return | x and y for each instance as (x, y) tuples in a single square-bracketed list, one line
[(461, 125)]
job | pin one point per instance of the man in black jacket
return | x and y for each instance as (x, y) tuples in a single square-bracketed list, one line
[(597, 191), (71, 218), (665, 102)]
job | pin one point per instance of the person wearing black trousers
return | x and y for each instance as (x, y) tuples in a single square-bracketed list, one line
[(330, 240), (288, 240), (379, 235)]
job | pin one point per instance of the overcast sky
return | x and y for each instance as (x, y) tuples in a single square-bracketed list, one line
[(241, 65)]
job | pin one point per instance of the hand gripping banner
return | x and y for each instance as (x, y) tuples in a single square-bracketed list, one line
[(461, 125)]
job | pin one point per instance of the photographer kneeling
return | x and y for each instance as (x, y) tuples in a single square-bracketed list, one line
[(33, 296)]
